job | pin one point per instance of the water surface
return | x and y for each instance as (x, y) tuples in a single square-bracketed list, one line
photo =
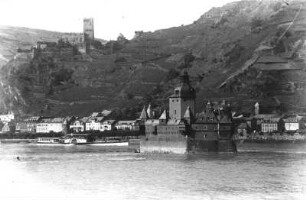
[(95, 172)]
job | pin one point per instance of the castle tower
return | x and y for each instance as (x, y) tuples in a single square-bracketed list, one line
[(188, 115), (88, 29), (184, 96), (163, 118), (149, 112), (256, 108), (143, 116)]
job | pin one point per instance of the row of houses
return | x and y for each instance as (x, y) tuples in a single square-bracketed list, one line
[(271, 123), (97, 122)]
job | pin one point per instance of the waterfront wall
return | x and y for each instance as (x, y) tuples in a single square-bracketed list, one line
[(18, 140), (163, 144)]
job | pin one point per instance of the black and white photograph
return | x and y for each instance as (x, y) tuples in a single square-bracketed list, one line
[(153, 99)]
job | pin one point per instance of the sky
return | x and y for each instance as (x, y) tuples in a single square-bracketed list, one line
[(111, 17)]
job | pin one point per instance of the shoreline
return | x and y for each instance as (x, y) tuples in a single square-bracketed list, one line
[(16, 140)]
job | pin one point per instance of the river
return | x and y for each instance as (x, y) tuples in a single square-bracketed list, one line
[(93, 172)]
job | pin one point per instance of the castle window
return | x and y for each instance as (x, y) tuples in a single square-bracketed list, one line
[(177, 92)]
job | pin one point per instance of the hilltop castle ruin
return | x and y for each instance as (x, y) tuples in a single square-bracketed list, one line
[(69, 44)]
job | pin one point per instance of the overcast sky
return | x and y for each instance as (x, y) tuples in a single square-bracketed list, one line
[(111, 17)]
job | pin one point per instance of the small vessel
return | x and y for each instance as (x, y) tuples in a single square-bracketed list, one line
[(109, 143), (48, 140), (74, 140)]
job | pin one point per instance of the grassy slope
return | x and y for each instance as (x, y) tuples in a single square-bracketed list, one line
[(220, 42)]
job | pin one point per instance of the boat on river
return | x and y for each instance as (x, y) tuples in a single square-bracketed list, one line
[(80, 140), (74, 140), (65, 140), (48, 140)]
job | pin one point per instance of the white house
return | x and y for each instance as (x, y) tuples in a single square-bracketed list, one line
[(270, 125), (94, 124), (50, 125), (125, 125), (78, 125), (7, 117), (107, 125), (28, 125), (292, 123)]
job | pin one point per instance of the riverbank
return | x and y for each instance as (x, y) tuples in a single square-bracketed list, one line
[(18, 140)]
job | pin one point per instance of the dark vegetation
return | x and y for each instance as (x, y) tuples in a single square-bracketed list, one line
[(132, 73), (63, 75)]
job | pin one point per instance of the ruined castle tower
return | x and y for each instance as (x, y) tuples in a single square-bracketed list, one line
[(256, 108), (88, 29), (184, 96)]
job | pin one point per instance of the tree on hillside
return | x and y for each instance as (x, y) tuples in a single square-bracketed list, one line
[(256, 24), (121, 39)]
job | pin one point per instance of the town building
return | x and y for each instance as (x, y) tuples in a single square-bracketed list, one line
[(242, 129), (50, 125), (271, 125), (8, 127), (260, 118), (7, 117), (78, 125), (107, 125), (125, 125), (28, 125), (292, 123), (94, 124)]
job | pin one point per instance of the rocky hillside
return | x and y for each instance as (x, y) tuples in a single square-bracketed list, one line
[(245, 52)]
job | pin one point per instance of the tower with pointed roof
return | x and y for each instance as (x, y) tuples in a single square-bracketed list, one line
[(163, 118), (184, 96), (150, 112), (188, 115), (143, 116), (256, 106)]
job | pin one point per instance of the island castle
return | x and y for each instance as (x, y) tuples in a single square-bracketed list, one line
[(182, 131)]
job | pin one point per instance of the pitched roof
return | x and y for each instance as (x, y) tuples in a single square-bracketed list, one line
[(106, 112), (126, 122), (295, 118), (143, 114), (272, 120), (188, 113), (163, 115), (109, 121), (265, 116), (149, 111)]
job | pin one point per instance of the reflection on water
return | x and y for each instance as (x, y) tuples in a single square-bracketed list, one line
[(86, 172)]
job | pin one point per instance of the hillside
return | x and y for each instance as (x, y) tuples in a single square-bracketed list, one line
[(245, 52)]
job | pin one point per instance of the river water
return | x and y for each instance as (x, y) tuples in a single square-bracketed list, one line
[(93, 172)]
